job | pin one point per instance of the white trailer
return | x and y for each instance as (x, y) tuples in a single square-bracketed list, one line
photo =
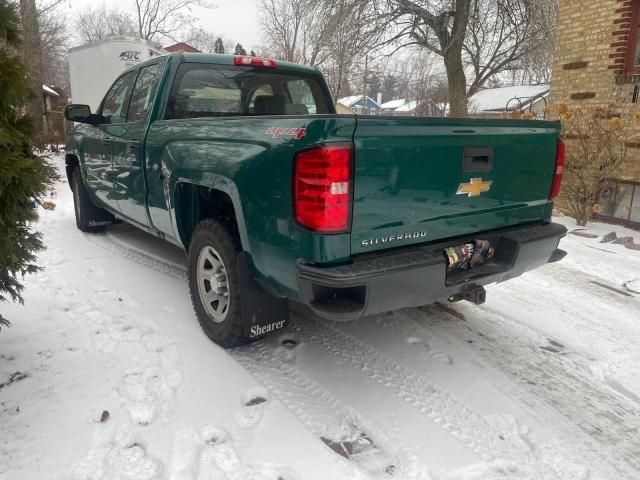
[(94, 66)]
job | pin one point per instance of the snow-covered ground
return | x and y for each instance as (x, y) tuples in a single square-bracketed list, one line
[(541, 382)]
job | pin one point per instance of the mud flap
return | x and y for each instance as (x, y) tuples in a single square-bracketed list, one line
[(262, 313)]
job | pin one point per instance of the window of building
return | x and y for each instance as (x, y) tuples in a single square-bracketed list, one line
[(621, 201)]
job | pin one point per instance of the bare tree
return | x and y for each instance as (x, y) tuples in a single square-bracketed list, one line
[(480, 39), (202, 40), (100, 23), (353, 33), (330, 34), (500, 33), (536, 64), (439, 26), (157, 19), (282, 23), (54, 34), (320, 25), (32, 55)]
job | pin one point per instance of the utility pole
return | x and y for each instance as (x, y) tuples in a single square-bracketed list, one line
[(364, 83)]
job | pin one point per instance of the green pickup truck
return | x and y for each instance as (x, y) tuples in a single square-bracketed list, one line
[(244, 163)]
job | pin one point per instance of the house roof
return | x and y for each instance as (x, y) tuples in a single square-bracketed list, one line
[(393, 104), (496, 99), (407, 107), (353, 99), (181, 47), (349, 101)]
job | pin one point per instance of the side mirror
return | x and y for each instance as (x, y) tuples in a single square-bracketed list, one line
[(78, 113)]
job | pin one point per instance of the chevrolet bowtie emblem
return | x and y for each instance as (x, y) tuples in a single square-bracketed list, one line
[(474, 188)]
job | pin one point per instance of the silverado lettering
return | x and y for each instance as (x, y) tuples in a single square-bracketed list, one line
[(243, 163), (393, 238)]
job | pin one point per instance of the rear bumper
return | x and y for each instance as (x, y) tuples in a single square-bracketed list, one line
[(415, 276)]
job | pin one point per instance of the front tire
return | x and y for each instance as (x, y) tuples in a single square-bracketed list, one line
[(89, 218), (214, 282)]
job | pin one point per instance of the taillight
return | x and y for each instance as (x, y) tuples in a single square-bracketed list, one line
[(322, 182), (247, 61), (557, 176)]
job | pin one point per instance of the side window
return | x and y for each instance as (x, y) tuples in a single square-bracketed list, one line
[(144, 92), (302, 100), (115, 102)]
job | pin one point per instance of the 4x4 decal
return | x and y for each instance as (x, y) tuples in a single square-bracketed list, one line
[(277, 132)]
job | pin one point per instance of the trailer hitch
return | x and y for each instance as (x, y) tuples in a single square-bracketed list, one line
[(475, 294)]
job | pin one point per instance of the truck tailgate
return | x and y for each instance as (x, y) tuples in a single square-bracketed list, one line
[(420, 180)]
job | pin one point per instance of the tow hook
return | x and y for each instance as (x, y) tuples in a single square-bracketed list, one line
[(474, 294)]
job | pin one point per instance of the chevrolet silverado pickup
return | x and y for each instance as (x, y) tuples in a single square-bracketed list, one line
[(244, 163)]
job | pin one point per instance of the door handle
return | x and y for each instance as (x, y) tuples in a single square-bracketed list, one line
[(477, 159)]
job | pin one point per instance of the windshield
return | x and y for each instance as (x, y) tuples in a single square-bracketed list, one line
[(203, 90)]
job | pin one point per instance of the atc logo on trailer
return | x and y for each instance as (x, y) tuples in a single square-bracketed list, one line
[(130, 57)]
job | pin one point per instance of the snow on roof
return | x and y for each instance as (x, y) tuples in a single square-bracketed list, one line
[(349, 101), (496, 99), (393, 104), (407, 107), (353, 99), (50, 91)]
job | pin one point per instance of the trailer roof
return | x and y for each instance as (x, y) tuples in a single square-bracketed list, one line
[(147, 43)]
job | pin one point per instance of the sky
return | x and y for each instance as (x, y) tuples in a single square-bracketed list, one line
[(234, 19)]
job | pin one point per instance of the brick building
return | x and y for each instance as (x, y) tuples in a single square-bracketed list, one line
[(597, 61)]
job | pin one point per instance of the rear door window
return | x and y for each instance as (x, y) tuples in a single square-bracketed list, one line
[(114, 105), (204, 90), (144, 92)]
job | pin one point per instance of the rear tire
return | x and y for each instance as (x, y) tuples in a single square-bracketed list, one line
[(214, 282), (89, 218)]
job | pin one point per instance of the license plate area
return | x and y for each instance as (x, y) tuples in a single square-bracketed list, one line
[(479, 258)]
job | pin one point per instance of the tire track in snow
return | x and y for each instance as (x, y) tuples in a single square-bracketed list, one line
[(111, 243), (326, 416), (569, 463), (491, 438), (604, 417)]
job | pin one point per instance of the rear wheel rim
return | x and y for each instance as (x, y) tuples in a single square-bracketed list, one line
[(213, 284)]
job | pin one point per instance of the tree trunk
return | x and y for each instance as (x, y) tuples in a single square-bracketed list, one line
[(32, 55), (457, 85), (452, 43)]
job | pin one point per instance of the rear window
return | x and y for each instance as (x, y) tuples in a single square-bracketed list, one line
[(202, 90)]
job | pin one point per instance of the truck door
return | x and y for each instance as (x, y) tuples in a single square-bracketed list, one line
[(98, 141), (128, 153)]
